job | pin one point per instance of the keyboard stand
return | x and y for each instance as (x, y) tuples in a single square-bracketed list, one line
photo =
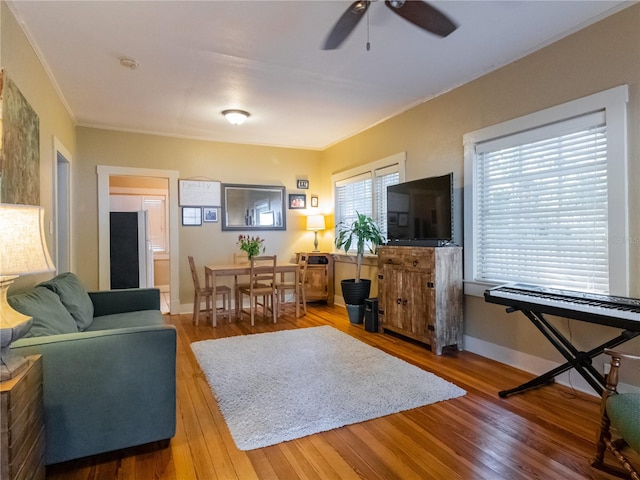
[(581, 361)]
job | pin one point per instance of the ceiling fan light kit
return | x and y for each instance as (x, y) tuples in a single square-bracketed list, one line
[(236, 117), (421, 14)]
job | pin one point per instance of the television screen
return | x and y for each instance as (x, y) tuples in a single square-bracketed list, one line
[(420, 211)]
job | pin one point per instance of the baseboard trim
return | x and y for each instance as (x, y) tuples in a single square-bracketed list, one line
[(535, 365)]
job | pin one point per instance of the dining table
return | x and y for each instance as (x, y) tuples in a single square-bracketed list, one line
[(215, 271)]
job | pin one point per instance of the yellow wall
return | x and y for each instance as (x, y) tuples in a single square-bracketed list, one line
[(599, 57), (229, 163), (21, 64)]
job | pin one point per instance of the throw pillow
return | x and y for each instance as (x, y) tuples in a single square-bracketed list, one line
[(50, 317), (73, 296)]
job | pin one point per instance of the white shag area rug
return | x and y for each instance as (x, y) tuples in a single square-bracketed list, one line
[(274, 387)]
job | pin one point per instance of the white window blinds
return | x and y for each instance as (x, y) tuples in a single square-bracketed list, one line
[(384, 177), (542, 206), (157, 222), (353, 195), (364, 190)]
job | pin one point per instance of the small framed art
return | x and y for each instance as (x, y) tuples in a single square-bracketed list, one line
[(297, 200), (209, 214), (191, 216), (302, 184), (314, 201)]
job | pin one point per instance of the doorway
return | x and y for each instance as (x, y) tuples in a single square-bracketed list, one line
[(104, 256), (62, 206), (148, 262)]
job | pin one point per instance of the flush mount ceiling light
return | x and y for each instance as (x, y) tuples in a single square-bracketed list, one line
[(236, 117)]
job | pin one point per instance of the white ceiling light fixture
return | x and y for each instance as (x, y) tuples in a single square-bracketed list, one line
[(236, 117)]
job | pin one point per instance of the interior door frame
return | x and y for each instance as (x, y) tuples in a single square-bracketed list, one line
[(104, 255), (62, 205)]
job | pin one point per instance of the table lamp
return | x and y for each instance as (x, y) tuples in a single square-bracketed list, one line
[(315, 223), (23, 250)]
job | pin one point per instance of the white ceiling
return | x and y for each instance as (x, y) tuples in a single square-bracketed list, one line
[(199, 58)]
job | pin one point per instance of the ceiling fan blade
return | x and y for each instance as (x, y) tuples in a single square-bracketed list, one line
[(345, 25), (424, 16)]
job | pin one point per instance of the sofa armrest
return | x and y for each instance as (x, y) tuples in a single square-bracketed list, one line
[(108, 302), (106, 390)]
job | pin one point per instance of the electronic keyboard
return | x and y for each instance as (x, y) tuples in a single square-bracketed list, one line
[(536, 301), (614, 311)]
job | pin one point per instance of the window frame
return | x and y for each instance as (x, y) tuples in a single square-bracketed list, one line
[(369, 170), (614, 104)]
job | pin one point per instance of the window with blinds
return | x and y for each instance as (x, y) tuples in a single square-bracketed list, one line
[(546, 198), (364, 191), (156, 206), (542, 207), (354, 196), (383, 178)]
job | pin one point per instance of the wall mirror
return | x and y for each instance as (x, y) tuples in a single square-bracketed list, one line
[(253, 207)]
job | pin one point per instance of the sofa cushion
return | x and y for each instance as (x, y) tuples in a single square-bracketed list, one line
[(73, 296), (140, 318), (50, 317)]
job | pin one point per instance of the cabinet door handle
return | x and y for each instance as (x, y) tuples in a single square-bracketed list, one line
[(415, 263), (404, 303), (399, 301)]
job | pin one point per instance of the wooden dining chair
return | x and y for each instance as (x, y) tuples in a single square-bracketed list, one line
[(620, 411), (239, 281), (262, 283), (207, 293), (283, 286)]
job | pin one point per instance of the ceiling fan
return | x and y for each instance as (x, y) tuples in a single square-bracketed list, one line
[(419, 13)]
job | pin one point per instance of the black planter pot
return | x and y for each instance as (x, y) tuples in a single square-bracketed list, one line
[(355, 293), (355, 313)]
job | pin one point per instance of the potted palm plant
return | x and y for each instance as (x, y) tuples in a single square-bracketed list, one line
[(366, 234)]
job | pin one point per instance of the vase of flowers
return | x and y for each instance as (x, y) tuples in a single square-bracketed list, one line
[(252, 245)]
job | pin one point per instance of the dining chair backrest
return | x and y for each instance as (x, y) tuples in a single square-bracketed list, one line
[(303, 261), (240, 258), (263, 270), (194, 273)]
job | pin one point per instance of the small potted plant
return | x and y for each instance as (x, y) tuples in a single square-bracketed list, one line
[(366, 234), (252, 245)]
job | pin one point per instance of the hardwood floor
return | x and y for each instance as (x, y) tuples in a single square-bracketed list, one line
[(548, 433)]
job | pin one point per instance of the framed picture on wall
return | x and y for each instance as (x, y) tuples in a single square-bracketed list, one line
[(209, 214), (297, 200), (191, 216), (314, 201)]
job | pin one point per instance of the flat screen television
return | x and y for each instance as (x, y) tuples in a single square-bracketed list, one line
[(420, 212)]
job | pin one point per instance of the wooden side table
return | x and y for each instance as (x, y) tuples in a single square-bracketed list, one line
[(318, 285), (22, 424)]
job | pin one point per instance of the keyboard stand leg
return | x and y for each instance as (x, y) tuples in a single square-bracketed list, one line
[(581, 361)]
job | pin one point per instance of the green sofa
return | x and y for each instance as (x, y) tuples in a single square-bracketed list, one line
[(109, 366)]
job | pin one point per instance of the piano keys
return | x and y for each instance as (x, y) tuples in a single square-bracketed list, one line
[(619, 312), (535, 301)]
